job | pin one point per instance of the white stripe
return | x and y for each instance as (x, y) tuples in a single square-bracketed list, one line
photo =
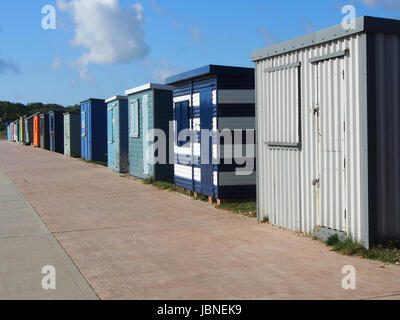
[(183, 98), (215, 178), (214, 97), (196, 124), (197, 174), (196, 100), (183, 171)]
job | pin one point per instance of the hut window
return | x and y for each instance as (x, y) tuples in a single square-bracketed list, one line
[(134, 119), (284, 106), (182, 120)]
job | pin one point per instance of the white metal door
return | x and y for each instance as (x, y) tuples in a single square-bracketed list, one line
[(330, 113)]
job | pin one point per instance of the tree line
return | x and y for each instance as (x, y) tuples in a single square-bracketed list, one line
[(10, 111)]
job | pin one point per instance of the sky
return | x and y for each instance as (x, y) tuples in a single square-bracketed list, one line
[(100, 48)]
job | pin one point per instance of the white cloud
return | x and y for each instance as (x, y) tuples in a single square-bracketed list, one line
[(306, 24), (85, 74), (165, 70), (57, 63), (108, 32), (195, 34), (387, 4), (269, 39)]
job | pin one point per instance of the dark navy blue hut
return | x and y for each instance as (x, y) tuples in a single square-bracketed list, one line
[(56, 131), (219, 99)]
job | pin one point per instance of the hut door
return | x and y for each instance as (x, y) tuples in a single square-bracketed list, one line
[(330, 113), (206, 146)]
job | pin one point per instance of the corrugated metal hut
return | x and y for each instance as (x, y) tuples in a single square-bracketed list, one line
[(29, 129), (36, 130), (328, 133), (218, 99), (117, 133), (150, 107), (94, 130), (72, 136), (56, 131), (44, 131)]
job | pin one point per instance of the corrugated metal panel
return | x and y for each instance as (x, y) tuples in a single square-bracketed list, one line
[(384, 135), (331, 118)]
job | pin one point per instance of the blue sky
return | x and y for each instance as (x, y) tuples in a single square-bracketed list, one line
[(100, 53)]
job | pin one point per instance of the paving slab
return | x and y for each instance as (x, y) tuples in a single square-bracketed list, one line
[(132, 241), (26, 246)]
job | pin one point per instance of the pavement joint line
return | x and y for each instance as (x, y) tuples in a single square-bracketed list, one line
[(25, 235), (88, 230), (10, 201)]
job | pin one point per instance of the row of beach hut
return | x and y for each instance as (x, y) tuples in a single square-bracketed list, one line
[(325, 108), (119, 131)]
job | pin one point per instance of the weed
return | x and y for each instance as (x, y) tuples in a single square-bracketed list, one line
[(148, 181), (388, 252), (248, 208), (332, 240), (265, 220)]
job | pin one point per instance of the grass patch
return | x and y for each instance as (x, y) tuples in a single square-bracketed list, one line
[(162, 185), (248, 208), (388, 252)]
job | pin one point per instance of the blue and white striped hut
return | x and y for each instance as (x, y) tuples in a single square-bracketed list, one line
[(220, 99)]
